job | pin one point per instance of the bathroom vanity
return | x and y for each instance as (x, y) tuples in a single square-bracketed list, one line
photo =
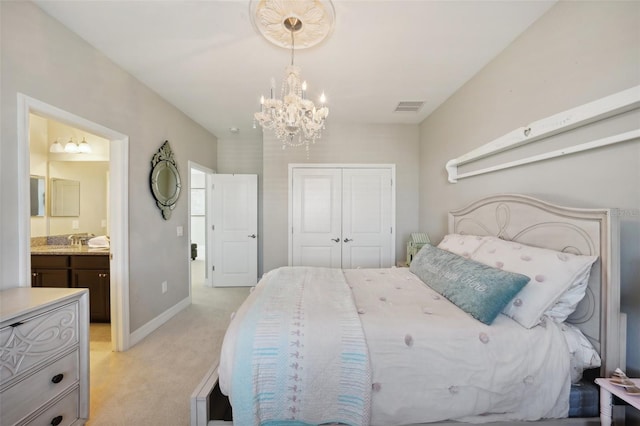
[(75, 267)]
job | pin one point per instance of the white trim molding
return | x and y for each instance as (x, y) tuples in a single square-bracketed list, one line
[(208, 248), (155, 323), (600, 109), (118, 207)]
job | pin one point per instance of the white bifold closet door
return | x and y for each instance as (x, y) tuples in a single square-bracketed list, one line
[(342, 217)]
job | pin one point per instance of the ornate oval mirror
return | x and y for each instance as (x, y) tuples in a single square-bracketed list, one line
[(165, 180)]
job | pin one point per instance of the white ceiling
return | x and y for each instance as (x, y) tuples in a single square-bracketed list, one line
[(206, 58)]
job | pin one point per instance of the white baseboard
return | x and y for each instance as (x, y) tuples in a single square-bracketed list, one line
[(152, 325)]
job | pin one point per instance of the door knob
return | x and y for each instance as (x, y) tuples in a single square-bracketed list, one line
[(252, 236), (346, 240), (337, 240)]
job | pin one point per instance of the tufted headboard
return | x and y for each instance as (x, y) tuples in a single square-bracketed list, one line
[(581, 231)]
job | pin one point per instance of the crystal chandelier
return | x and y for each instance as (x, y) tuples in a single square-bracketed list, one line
[(294, 119)]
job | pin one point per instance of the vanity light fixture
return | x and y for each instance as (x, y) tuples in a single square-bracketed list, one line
[(71, 147), (84, 147), (56, 147)]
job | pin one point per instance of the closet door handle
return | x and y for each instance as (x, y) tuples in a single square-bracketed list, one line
[(251, 236), (346, 240), (337, 240)]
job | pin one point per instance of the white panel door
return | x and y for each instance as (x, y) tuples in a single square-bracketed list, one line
[(367, 234), (316, 217), (235, 230)]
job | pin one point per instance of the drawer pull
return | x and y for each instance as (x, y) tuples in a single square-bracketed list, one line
[(16, 324), (56, 421), (57, 378)]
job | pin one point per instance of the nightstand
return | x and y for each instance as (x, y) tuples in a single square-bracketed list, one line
[(607, 389)]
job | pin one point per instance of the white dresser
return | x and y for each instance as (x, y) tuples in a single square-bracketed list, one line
[(44, 356)]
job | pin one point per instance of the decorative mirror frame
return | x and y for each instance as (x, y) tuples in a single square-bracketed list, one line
[(163, 160)]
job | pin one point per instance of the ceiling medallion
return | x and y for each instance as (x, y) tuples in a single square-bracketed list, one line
[(269, 17)]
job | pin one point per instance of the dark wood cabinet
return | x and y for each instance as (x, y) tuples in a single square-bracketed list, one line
[(50, 271), (98, 284), (77, 271), (92, 272), (49, 278)]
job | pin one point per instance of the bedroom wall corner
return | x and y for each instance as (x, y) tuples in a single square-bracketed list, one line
[(576, 53)]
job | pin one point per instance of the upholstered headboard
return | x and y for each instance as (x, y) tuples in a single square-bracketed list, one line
[(580, 231)]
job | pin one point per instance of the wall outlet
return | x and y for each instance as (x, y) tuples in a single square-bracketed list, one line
[(75, 224), (164, 287), (179, 231), (103, 223)]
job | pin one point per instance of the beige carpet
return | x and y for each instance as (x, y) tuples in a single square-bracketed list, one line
[(151, 383)]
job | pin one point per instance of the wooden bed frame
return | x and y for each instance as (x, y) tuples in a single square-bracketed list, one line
[(533, 222)]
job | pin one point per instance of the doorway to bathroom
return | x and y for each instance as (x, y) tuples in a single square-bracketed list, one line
[(37, 120)]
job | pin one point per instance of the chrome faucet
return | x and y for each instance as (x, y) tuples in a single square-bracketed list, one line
[(75, 240)]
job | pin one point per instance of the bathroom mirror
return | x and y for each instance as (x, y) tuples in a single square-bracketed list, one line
[(165, 180), (65, 197), (37, 193)]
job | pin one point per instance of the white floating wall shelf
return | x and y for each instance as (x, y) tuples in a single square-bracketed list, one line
[(600, 109)]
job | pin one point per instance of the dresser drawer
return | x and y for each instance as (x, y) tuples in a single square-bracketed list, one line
[(33, 341), (17, 401), (66, 410)]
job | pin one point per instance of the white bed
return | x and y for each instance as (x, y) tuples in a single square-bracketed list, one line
[(511, 217)]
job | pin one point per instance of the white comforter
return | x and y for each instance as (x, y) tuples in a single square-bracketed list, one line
[(431, 361)]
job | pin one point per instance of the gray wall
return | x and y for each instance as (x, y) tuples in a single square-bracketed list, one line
[(45, 61), (576, 53), (340, 143)]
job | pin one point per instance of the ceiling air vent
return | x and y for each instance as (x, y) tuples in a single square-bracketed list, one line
[(409, 106)]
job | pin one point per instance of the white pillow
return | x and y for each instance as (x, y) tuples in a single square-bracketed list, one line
[(568, 301), (462, 245), (552, 273), (583, 354)]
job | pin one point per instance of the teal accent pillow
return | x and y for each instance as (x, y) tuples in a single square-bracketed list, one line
[(478, 289)]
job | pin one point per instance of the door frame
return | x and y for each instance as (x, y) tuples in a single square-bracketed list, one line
[(118, 214), (208, 219), (292, 166), (216, 233)]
